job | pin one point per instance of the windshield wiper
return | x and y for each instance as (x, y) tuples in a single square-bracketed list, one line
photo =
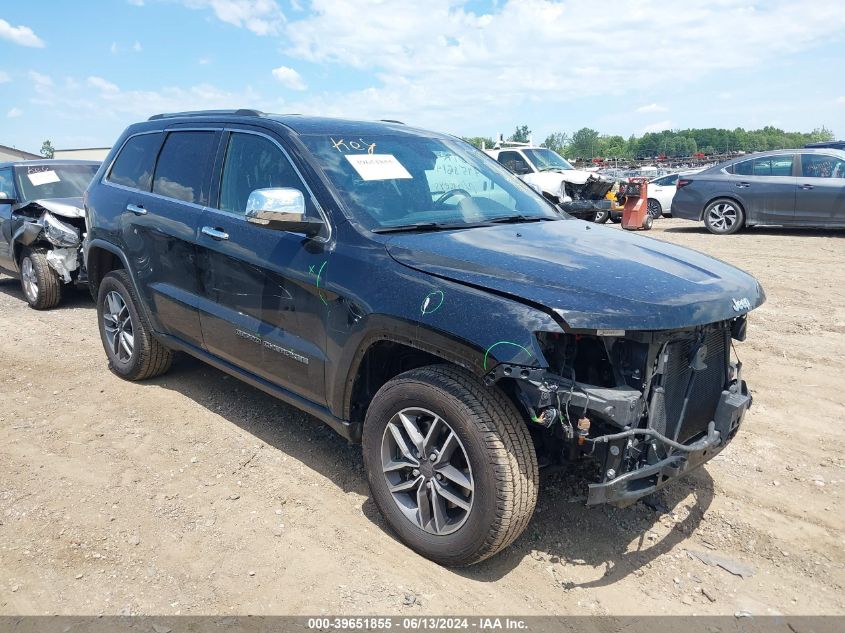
[(423, 226), (509, 219)]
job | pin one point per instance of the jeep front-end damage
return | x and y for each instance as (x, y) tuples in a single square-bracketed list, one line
[(644, 406), (59, 226)]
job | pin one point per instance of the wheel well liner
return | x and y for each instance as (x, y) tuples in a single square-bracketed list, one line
[(99, 262)]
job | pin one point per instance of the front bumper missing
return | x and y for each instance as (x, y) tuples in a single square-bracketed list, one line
[(635, 484)]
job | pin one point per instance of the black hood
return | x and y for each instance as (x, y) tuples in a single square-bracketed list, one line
[(594, 277)]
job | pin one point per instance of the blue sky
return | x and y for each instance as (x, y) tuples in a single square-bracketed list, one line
[(79, 72)]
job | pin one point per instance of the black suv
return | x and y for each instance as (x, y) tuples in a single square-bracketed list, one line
[(413, 294)]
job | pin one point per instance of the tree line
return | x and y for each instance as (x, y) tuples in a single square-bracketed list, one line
[(588, 143)]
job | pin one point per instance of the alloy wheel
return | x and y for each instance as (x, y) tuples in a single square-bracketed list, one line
[(722, 216), (654, 208), (29, 280), (117, 322), (427, 471)]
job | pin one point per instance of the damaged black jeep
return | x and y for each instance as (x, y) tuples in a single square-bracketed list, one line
[(42, 225), (419, 298)]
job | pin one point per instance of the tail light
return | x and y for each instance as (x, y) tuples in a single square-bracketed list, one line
[(683, 182)]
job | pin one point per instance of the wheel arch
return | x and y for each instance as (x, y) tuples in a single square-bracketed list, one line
[(100, 259), (384, 354)]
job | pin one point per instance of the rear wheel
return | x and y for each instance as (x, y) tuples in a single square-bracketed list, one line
[(723, 216), (41, 285), (601, 217), (450, 463), (655, 209), (133, 352)]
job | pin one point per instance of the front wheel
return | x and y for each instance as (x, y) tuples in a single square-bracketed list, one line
[(723, 217), (41, 285), (601, 217), (450, 463)]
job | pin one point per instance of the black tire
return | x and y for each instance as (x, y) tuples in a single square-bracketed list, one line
[(655, 209), (41, 285), (601, 217), (724, 216), (498, 450), (147, 357), (648, 222)]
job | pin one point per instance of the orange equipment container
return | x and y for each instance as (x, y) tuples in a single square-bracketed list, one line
[(635, 215)]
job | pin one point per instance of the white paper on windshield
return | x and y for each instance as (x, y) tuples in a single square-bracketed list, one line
[(43, 177), (377, 166)]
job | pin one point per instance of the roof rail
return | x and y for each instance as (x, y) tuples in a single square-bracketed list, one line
[(240, 112), (391, 121)]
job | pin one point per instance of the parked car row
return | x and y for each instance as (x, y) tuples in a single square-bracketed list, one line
[(414, 295)]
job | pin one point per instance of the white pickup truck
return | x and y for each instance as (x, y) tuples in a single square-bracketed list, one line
[(579, 193)]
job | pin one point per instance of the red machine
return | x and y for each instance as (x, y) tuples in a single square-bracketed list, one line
[(635, 215)]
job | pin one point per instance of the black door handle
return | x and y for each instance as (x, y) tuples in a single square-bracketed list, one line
[(805, 187)]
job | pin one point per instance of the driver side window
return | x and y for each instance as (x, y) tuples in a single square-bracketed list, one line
[(254, 162)]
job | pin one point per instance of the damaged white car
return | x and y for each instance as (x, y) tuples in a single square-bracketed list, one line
[(42, 224), (579, 193)]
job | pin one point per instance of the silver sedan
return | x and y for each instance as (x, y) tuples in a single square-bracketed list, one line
[(792, 187)]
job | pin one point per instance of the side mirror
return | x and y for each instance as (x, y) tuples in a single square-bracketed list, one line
[(5, 199), (282, 209)]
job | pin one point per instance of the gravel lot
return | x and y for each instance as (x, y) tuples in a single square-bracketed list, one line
[(196, 494)]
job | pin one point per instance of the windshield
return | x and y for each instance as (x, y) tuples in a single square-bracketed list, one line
[(546, 159), (400, 180), (37, 182)]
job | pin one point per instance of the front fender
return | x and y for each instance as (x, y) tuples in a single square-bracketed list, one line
[(470, 327)]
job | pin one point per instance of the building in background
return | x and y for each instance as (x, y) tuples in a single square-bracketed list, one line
[(83, 153), (9, 154)]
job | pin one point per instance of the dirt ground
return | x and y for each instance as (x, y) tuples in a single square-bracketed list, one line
[(196, 494)]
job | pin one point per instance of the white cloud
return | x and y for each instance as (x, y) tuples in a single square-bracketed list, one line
[(105, 87), (659, 126), (652, 107), (116, 48), (133, 105), (262, 17), (440, 63), (22, 35), (204, 61), (136, 3), (14, 113), (289, 77), (43, 84), (5, 77), (841, 100)]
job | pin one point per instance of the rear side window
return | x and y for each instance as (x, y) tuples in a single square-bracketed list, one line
[(515, 162), (183, 165), (134, 165), (744, 168), (765, 166), (821, 166), (254, 162)]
